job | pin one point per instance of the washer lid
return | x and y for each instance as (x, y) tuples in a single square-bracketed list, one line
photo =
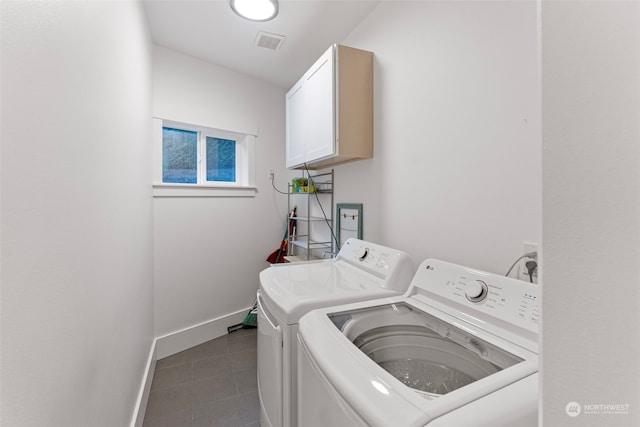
[(421, 351), (294, 289), (379, 396)]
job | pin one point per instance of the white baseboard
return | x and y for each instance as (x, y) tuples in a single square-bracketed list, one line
[(145, 388), (175, 342), (194, 335)]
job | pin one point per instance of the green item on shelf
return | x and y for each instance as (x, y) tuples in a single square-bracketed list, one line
[(300, 185)]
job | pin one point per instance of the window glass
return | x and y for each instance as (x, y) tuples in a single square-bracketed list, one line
[(179, 156), (221, 159)]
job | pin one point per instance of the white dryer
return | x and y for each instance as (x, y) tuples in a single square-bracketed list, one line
[(361, 271), (460, 348)]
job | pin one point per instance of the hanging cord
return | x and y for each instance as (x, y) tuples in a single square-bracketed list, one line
[(326, 219), (531, 255), (274, 185)]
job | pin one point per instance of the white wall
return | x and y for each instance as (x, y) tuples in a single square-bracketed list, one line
[(456, 172), (77, 317), (591, 134), (209, 251)]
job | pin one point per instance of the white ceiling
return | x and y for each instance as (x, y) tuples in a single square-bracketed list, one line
[(211, 31)]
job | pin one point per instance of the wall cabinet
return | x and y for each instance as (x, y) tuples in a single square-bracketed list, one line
[(329, 111)]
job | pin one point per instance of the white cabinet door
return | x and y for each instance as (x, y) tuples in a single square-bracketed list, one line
[(319, 94), (297, 128)]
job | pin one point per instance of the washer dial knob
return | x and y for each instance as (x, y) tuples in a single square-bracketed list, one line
[(476, 291), (361, 253)]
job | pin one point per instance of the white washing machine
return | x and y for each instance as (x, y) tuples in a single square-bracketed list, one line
[(459, 349), (361, 271)]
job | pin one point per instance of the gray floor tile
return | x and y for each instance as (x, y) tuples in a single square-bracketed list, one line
[(213, 388), (174, 419), (247, 380), (241, 343), (244, 360), (234, 411), (172, 375), (210, 348), (169, 399), (175, 359), (212, 366), (212, 384)]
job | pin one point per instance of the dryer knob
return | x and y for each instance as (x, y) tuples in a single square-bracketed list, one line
[(476, 291)]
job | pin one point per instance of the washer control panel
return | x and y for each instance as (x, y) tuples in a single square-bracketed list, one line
[(505, 298), (383, 262)]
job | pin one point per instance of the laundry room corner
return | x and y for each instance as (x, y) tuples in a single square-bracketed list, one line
[(208, 251)]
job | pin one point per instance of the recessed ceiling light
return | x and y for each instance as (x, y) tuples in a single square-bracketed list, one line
[(255, 10)]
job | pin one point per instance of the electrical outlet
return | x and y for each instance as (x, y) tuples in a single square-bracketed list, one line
[(528, 247)]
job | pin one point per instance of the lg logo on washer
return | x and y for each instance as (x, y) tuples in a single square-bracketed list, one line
[(573, 409)]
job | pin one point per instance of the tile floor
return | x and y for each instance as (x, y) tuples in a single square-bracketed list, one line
[(213, 384)]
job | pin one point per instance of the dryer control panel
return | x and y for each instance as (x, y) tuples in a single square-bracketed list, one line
[(394, 267), (504, 299)]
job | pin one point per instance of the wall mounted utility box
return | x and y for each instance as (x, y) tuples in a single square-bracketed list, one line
[(329, 111)]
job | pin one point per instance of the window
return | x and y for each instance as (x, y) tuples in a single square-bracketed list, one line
[(183, 150), (221, 159), (201, 157), (179, 156)]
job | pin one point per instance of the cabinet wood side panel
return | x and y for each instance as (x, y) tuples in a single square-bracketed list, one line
[(355, 102)]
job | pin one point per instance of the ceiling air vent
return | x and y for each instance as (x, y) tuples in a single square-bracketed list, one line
[(269, 40)]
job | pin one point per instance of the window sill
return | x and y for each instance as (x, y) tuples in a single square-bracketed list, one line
[(190, 190)]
